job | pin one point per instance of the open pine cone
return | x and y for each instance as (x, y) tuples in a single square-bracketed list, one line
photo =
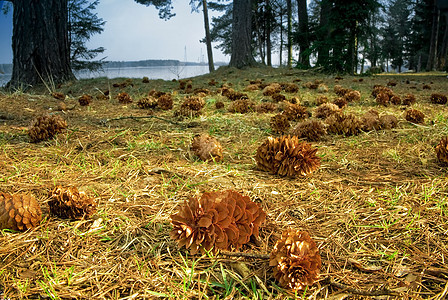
[(69, 203), (19, 212), (296, 260), (296, 112), (207, 148), (287, 156), (346, 124), (409, 99), (414, 116), (124, 98), (323, 111), (438, 98), (165, 102), (311, 130), (45, 127), (147, 102), (442, 150), (388, 121), (279, 123), (85, 100), (241, 106), (371, 120), (216, 220)]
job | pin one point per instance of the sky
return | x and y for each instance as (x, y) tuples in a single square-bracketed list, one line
[(135, 32)]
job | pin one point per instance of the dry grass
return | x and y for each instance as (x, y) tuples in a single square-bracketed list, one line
[(377, 207)]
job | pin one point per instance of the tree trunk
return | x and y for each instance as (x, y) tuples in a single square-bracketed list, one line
[(281, 40), (40, 43), (444, 48), (268, 33), (304, 42), (323, 49), (289, 32), (432, 56), (241, 35), (260, 38), (208, 40)]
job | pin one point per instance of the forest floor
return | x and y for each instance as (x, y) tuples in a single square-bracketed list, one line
[(377, 207)]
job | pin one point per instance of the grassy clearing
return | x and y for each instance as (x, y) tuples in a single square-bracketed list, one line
[(377, 207)]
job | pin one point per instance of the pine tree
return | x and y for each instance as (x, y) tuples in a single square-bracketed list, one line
[(82, 24)]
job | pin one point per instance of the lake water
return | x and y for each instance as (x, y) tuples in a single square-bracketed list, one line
[(162, 72)]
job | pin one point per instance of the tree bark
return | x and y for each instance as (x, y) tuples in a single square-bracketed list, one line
[(208, 40), (432, 56), (304, 43), (41, 51), (289, 32), (268, 33), (444, 48), (323, 49), (241, 35)]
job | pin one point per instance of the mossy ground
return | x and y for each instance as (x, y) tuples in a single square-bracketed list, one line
[(377, 207)]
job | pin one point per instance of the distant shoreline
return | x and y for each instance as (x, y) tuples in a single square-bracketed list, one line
[(6, 69)]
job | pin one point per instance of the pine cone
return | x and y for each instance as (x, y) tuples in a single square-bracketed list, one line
[(340, 102), (241, 106), (266, 107), (19, 212), (352, 96), (217, 220), (347, 124), (323, 111), (145, 79), (278, 97), (290, 87), (219, 105), (296, 260), (124, 98), (287, 156), (321, 99), (414, 116), (69, 203), (382, 99), (280, 124), (147, 102), (382, 89), (442, 150), (340, 91), (165, 102), (207, 148), (85, 100), (45, 127), (232, 95), (296, 112), (193, 103), (322, 88), (371, 120), (273, 88), (438, 99), (409, 99), (395, 100), (388, 121), (311, 130), (58, 95)]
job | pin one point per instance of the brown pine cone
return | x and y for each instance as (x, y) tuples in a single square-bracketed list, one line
[(388, 121), (296, 260), (46, 127), (241, 106), (124, 98), (438, 98), (296, 112), (382, 89), (165, 102), (382, 99), (58, 95), (85, 100), (217, 220), (409, 99), (273, 88), (280, 124), (340, 102), (352, 96), (442, 150), (265, 107), (147, 102), (69, 203), (371, 120), (323, 111), (19, 212), (207, 148), (311, 130), (193, 103), (414, 116), (287, 156), (346, 124)]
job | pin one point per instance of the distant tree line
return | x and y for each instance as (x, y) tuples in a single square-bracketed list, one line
[(340, 36)]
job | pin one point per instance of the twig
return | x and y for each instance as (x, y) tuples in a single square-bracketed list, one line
[(351, 290), (142, 117), (243, 254)]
